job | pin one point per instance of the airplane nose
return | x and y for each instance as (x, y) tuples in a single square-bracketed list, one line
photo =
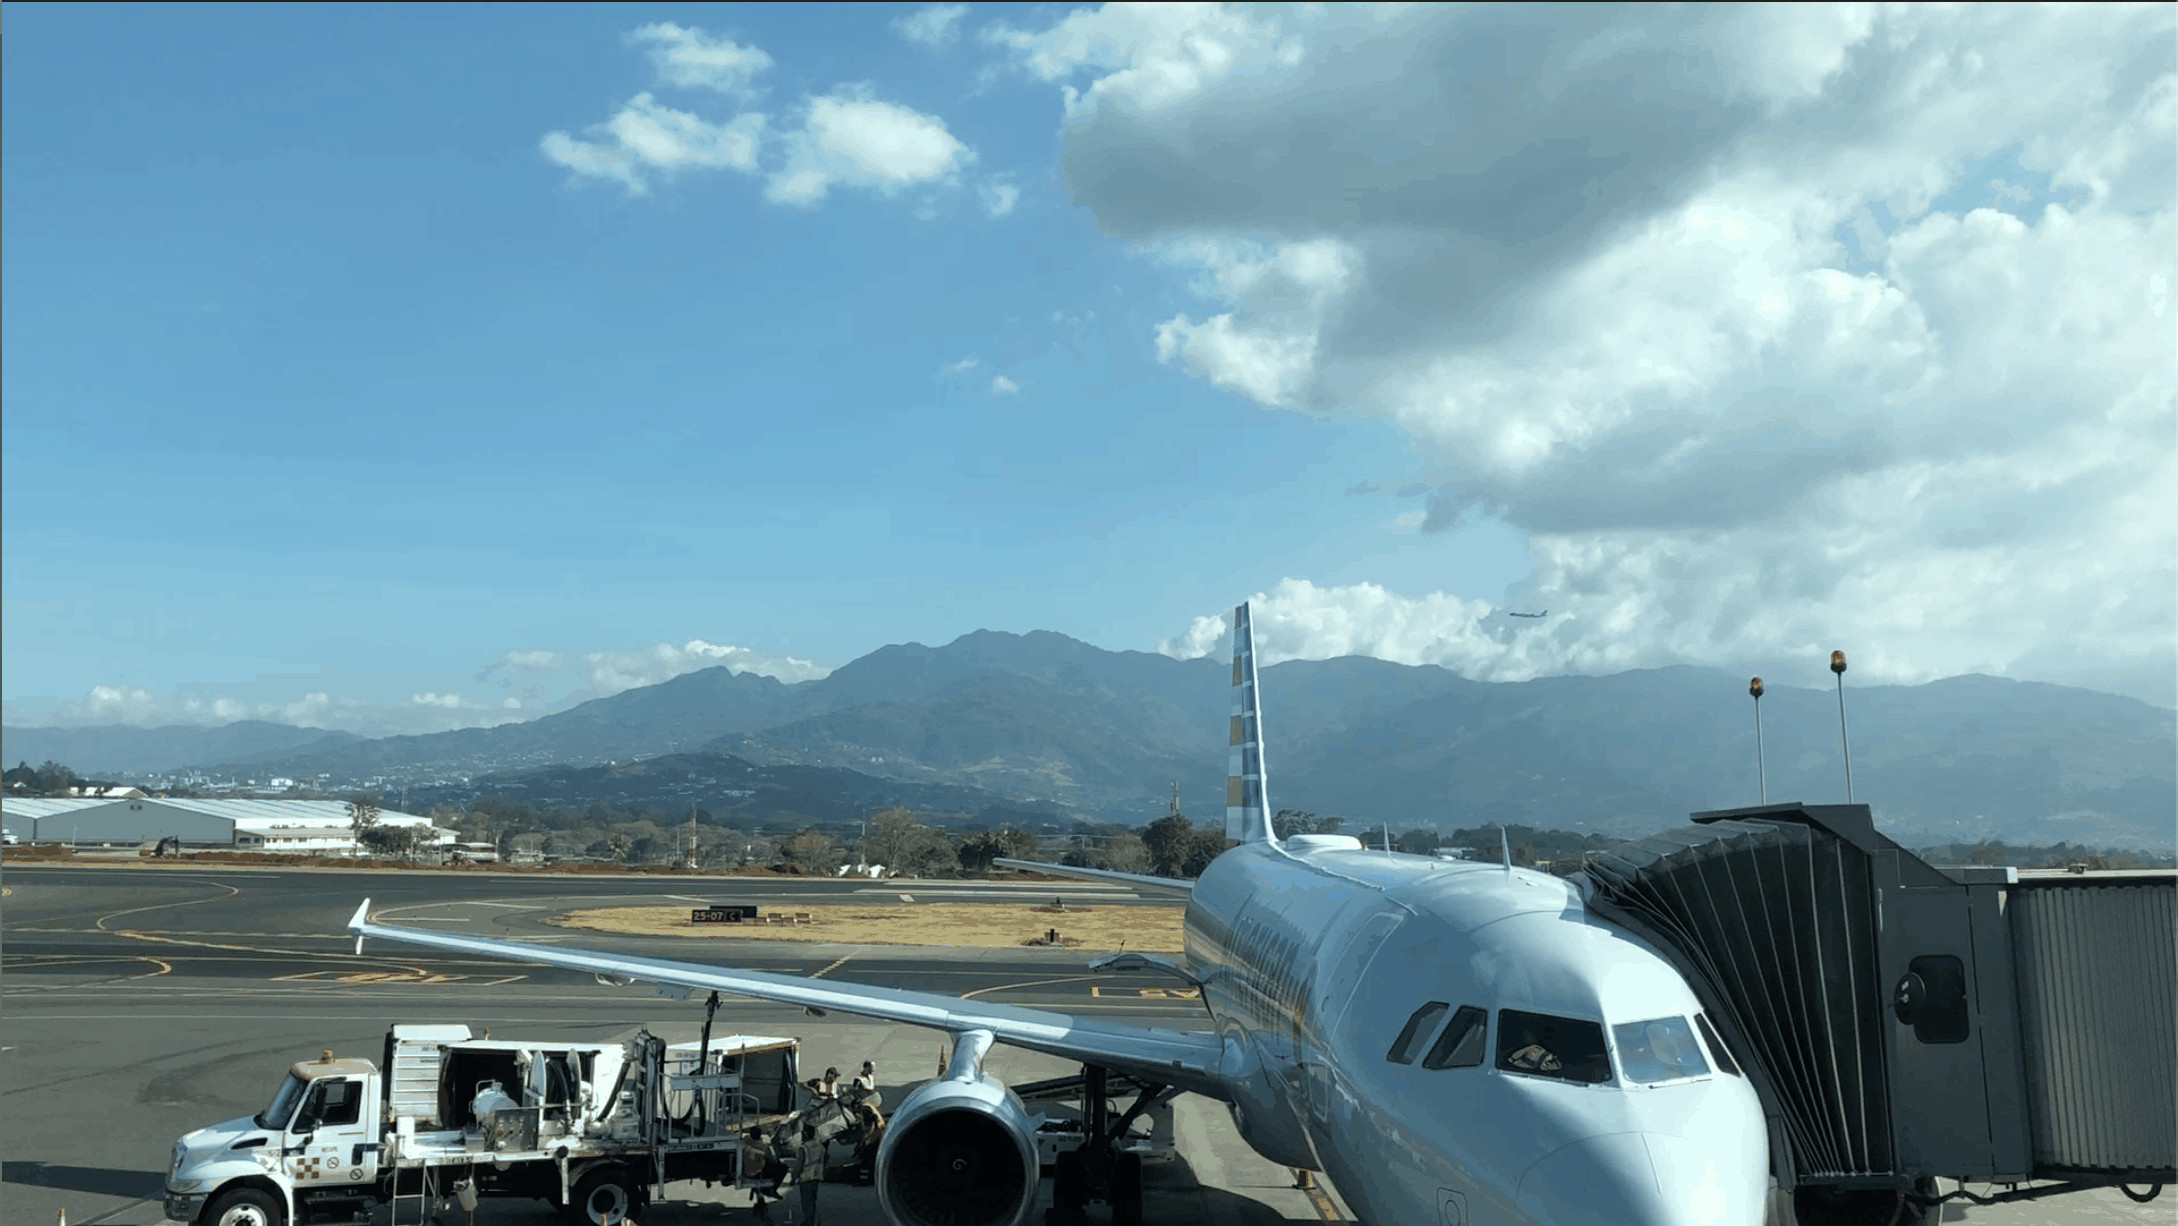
[(1636, 1179)]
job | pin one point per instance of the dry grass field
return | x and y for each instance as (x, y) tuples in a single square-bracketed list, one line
[(939, 923)]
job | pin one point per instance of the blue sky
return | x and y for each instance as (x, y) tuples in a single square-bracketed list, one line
[(324, 373)]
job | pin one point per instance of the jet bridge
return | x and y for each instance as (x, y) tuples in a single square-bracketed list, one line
[(1903, 1022)]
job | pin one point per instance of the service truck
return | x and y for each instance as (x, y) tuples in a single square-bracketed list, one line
[(449, 1117)]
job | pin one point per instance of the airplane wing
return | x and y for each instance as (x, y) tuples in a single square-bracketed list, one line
[(1185, 1060), (1169, 885)]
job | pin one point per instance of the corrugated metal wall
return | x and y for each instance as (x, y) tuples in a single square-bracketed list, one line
[(2098, 1002)]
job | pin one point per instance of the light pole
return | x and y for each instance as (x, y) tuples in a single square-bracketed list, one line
[(1837, 665), (1762, 781)]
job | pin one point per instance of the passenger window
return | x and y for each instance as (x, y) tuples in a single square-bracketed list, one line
[(331, 1101), (1409, 1043), (1660, 1049), (1460, 1046), (1716, 1046), (1541, 1045), (339, 1102)]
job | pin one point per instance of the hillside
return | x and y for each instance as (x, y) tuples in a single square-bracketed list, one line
[(1050, 721)]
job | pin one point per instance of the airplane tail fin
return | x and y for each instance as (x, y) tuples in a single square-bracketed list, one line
[(1247, 800)]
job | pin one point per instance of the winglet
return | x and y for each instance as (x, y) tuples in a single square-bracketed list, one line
[(357, 922), (1504, 844), (1247, 798)]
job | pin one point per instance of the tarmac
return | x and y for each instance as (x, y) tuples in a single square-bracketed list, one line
[(138, 1003)]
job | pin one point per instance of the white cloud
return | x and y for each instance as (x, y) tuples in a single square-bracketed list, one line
[(1152, 55), (522, 662), (1300, 621), (932, 25), (1772, 329), (854, 140), (999, 197), (961, 367), (380, 706), (609, 672), (142, 707), (647, 138), (690, 58), (846, 138), (1002, 386)]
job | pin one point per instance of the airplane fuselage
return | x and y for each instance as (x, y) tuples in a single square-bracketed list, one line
[(1380, 1006)]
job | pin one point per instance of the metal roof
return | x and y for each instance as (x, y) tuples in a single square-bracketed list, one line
[(252, 814), (49, 806)]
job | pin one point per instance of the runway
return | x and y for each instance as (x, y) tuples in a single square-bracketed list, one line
[(137, 1003)]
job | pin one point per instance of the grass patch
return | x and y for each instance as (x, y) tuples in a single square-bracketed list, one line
[(986, 925)]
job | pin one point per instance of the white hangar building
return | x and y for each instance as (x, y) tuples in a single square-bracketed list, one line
[(310, 827)]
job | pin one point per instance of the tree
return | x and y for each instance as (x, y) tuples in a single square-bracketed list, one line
[(979, 849), (1207, 845), (362, 819), (393, 842), (1124, 853), (812, 851), (900, 843), (50, 779), (1170, 841), (1420, 842), (1301, 821)]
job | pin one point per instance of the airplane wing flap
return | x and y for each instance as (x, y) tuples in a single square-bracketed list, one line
[(1187, 1060)]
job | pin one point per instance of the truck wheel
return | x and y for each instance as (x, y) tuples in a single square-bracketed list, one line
[(1126, 1188), (244, 1207), (607, 1196)]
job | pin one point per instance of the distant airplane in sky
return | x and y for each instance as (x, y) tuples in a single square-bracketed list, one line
[(1455, 1043), (1544, 613)]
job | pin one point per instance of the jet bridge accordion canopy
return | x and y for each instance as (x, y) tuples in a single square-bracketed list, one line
[(1904, 1021), (1779, 924)]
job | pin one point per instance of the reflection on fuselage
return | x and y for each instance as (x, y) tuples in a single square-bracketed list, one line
[(1433, 1035)]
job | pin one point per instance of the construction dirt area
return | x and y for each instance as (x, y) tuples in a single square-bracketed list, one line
[(1009, 925)]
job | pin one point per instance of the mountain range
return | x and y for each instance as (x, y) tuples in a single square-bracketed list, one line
[(1054, 724)]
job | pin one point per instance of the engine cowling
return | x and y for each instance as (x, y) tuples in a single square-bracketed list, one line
[(959, 1153)]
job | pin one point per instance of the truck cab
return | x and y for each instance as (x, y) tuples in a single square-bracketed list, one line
[(316, 1140)]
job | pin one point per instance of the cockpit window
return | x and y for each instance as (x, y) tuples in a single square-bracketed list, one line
[(1460, 1046), (1416, 1032), (1717, 1052), (1660, 1049), (1544, 1046)]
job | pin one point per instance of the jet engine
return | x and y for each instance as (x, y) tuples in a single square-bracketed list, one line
[(959, 1152)]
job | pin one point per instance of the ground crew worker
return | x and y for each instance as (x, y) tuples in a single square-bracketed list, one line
[(870, 1131), (770, 1171), (865, 1084), (811, 1175)]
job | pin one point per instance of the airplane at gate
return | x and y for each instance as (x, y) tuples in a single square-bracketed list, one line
[(1454, 1043)]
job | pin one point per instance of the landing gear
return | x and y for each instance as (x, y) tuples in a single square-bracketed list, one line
[(1101, 1170)]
